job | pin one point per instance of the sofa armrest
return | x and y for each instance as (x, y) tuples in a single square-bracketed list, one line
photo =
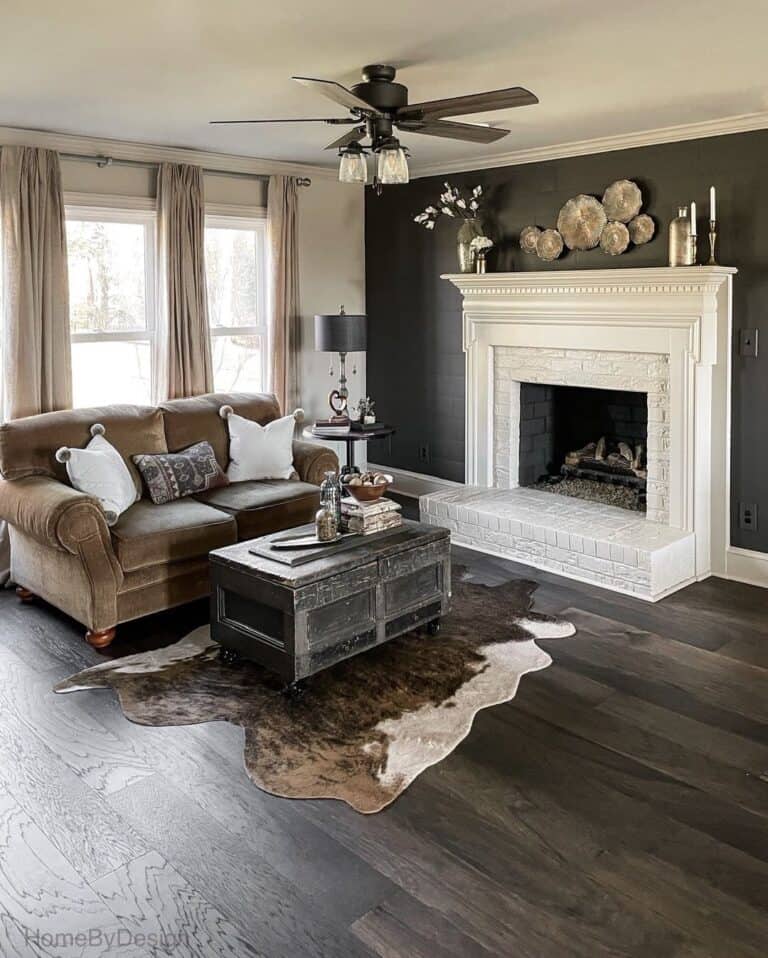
[(312, 460), (62, 518)]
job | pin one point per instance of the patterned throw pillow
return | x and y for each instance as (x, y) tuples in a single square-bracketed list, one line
[(173, 475)]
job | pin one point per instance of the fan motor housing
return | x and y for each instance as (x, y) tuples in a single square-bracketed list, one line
[(379, 89)]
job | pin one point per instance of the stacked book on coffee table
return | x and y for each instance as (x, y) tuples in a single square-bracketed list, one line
[(365, 518)]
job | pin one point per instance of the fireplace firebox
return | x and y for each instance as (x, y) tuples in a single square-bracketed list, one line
[(585, 442)]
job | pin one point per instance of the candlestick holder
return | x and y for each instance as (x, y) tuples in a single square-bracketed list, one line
[(712, 242), (693, 241)]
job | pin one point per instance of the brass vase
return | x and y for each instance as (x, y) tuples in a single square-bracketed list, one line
[(468, 230)]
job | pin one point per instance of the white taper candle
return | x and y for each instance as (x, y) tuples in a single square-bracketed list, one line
[(693, 218), (712, 213)]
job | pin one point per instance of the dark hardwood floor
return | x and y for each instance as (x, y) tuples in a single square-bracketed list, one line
[(618, 806)]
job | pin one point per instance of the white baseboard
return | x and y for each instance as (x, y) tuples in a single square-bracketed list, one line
[(414, 484), (746, 565)]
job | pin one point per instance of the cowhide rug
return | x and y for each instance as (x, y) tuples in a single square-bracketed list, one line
[(365, 728)]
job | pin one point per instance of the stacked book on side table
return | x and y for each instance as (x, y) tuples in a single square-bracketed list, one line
[(365, 518), (335, 426)]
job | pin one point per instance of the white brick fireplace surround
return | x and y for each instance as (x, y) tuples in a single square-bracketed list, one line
[(664, 332)]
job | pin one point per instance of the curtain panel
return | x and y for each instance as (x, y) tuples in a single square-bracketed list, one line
[(37, 364), (36, 352), (183, 361), (285, 326)]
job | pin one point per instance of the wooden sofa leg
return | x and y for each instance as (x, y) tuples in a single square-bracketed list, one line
[(24, 594), (100, 640)]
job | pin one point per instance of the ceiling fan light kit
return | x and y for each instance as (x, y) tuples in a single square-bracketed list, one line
[(378, 104), (352, 165), (393, 164)]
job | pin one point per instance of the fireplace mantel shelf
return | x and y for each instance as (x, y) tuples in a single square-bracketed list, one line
[(657, 279)]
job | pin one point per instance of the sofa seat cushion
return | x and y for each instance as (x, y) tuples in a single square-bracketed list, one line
[(265, 505), (147, 534)]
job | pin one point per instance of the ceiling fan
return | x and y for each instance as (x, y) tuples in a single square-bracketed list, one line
[(378, 104)]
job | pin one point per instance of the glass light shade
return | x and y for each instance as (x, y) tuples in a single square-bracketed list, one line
[(393, 166), (353, 168)]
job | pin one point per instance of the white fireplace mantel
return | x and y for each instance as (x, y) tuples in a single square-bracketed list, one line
[(683, 314)]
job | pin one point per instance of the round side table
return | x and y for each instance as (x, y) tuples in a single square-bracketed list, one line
[(350, 438)]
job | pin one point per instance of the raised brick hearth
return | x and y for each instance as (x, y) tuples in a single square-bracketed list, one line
[(583, 540)]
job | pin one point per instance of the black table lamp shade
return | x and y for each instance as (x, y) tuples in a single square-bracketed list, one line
[(341, 333)]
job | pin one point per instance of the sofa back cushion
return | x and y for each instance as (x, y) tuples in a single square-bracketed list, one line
[(28, 446), (188, 421)]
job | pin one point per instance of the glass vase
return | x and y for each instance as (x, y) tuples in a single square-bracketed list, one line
[(330, 495), (681, 246), (326, 526), (468, 230)]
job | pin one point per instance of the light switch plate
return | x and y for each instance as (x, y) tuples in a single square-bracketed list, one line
[(748, 343)]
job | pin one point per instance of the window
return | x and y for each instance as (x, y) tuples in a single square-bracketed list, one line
[(111, 256), (235, 263)]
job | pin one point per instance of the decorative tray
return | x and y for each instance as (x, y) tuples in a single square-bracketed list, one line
[(304, 541)]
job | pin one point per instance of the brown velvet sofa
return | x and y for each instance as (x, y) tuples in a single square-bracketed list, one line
[(156, 556)]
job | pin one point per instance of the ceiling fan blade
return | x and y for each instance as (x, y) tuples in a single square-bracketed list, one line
[(472, 103), (351, 136), (453, 131), (311, 119), (336, 92)]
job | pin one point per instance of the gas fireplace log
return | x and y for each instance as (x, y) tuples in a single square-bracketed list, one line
[(595, 456), (619, 462), (600, 450), (586, 452)]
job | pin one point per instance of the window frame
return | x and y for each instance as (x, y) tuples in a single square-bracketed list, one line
[(254, 220), (98, 209), (143, 217)]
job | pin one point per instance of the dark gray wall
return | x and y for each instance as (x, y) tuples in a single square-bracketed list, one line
[(415, 362)]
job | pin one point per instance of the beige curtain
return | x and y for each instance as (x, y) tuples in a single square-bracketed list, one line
[(37, 364), (183, 358), (36, 358), (282, 226)]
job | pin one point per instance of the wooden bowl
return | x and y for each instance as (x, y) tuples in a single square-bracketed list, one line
[(369, 493)]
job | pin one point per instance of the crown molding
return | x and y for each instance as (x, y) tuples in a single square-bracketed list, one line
[(153, 153), (743, 123), (235, 163)]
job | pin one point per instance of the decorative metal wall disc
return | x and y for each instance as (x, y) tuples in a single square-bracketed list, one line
[(581, 222), (528, 237), (641, 229), (622, 200), (614, 239), (549, 245)]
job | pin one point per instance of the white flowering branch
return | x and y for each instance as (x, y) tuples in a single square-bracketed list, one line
[(453, 205)]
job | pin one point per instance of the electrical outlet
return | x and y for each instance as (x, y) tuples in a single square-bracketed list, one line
[(748, 516), (424, 454), (748, 343)]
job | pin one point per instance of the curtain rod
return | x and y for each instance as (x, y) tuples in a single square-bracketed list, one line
[(102, 161)]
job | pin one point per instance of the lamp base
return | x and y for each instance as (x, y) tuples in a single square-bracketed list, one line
[(338, 402)]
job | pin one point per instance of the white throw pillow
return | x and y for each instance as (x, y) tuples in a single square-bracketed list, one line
[(259, 452), (100, 471)]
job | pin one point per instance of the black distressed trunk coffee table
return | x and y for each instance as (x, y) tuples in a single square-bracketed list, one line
[(299, 619)]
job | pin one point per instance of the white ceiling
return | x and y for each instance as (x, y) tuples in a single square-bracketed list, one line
[(156, 72)]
